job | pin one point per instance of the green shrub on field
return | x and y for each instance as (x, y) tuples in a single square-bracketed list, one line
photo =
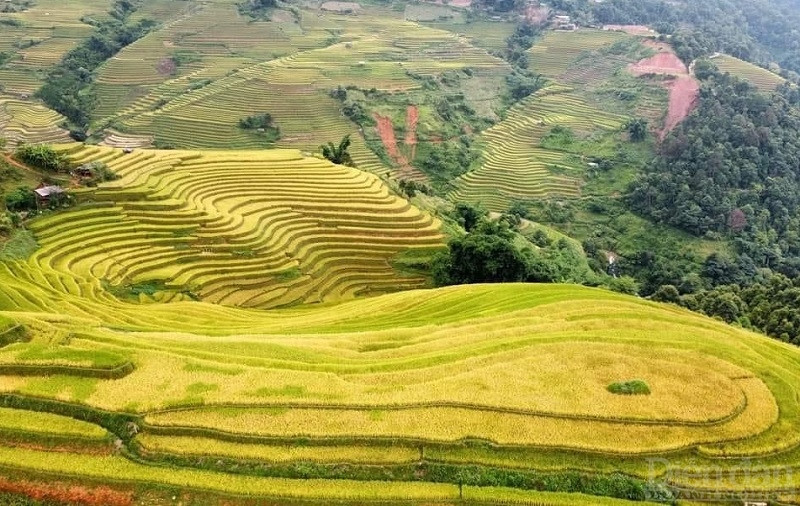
[(631, 387)]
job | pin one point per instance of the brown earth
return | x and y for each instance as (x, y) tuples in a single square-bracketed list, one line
[(385, 131), (631, 29), (660, 63), (683, 89), (683, 93), (536, 14)]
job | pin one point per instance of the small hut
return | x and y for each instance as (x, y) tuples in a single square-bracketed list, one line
[(46, 194)]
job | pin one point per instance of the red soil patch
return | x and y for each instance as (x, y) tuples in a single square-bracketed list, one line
[(412, 117), (63, 493), (683, 90), (660, 63), (386, 132), (166, 67), (683, 93), (630, 29)]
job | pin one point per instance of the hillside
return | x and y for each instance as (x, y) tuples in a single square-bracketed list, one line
[(228, 227), (512, 380)]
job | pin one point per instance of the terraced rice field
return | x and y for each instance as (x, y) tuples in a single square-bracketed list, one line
[(553, 55), (23, 121), (257, 229), (761, 78), (46, 31), (514, 166), (271, 67), (507, 377)]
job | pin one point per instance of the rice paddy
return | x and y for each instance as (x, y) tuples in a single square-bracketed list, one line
[(256, 229), (506, 377), (757, 76), (586, 75)]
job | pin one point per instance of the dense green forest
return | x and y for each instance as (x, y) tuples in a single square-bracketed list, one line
[(731, 171)]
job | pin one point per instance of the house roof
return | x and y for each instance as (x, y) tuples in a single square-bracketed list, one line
[(46, 191)]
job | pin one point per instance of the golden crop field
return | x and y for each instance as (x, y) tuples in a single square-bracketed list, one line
[(757, 76), (513, 376)]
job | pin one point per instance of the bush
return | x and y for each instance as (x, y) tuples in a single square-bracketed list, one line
[(42, 156), (20, 199), (667, 293), (624, 284), (6, 225), (256, 121), (631, 387)]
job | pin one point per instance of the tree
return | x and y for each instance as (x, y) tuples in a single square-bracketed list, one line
[(480, 258), (42, 156), (637, 129), (20, 199), (468, 216), (338, 154), (667, 293)]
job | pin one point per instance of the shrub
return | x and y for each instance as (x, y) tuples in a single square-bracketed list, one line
[(667, 293), (631, 387), (624, 284), (42, 156), (20, 199)]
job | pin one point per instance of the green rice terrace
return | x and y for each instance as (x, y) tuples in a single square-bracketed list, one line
[(207, 301)]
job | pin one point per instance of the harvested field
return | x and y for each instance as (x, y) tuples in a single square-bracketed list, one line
[(641, 30)]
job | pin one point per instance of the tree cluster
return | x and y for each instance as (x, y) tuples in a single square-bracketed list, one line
[(491, 251), (42, 156), (732, 170), (263, 124)]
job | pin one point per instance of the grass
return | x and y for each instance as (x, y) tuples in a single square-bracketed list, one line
[(20, 245)]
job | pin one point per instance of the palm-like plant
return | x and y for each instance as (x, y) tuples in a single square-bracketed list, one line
[(338, 154)]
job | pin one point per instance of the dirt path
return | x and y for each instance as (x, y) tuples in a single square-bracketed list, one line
[(20, 166), (683, 89)]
